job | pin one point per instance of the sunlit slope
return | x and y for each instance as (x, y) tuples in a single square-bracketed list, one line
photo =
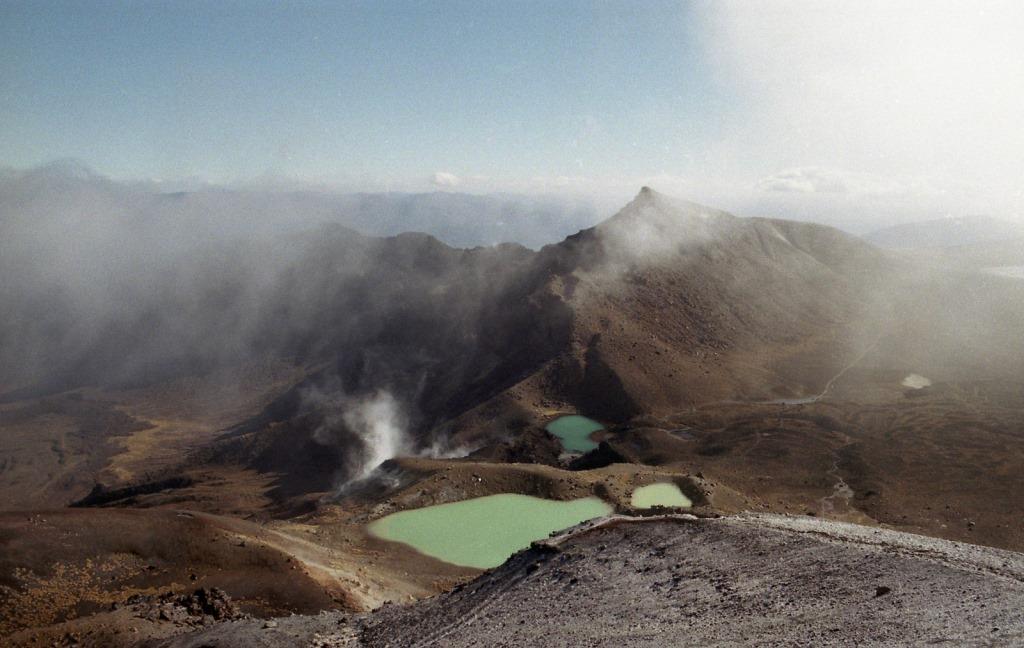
[(675, 304)]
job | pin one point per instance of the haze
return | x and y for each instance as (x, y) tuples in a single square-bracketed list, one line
[(856, 115), (620, 324)]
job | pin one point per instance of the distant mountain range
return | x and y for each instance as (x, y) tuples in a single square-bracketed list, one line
[(947, 232), (68, 191)]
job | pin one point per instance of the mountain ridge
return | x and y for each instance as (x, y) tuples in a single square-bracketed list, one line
[(946, 232)]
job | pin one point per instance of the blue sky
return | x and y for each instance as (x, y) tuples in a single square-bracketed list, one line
[(238, 89), (770, 106)]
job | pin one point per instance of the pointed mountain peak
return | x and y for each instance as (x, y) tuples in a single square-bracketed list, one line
[(647, 199), (652, 205), (646, 195)]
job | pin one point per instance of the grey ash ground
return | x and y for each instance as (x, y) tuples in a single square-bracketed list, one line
[(748, 579)]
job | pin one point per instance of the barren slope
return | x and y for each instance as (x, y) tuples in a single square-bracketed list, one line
[(764, 580)]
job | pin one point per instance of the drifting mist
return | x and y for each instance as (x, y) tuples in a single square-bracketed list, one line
[(117, 279), (116, 285)]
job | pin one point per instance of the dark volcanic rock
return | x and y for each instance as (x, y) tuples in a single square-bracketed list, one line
[(532, 446), (202, 607), (101, 496), (603, 455)]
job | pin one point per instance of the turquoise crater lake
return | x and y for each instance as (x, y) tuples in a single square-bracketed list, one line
[(483, 532), (574, 432)]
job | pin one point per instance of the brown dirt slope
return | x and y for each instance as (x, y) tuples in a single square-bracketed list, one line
[(674, 304)]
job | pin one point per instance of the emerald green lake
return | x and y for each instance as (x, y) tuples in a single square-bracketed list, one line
[(659, 495), (483, 532), (574, 432)]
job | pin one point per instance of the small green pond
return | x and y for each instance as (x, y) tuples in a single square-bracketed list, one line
[(483, 532), (663, 494), (574, 432)]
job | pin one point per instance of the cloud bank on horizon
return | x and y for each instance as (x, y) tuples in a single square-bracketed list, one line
[(863, 114), (860, 114), (917, 103), (855, 114)]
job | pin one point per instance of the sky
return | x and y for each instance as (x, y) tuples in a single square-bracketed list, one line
[(892, 109)]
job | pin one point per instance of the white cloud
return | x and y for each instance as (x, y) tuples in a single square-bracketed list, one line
[(823, 180), (914, 92), (445, 179)]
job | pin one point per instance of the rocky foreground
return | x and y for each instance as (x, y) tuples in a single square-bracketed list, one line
[(680, 580)]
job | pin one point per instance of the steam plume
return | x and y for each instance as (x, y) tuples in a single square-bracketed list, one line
[(381, 426)]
